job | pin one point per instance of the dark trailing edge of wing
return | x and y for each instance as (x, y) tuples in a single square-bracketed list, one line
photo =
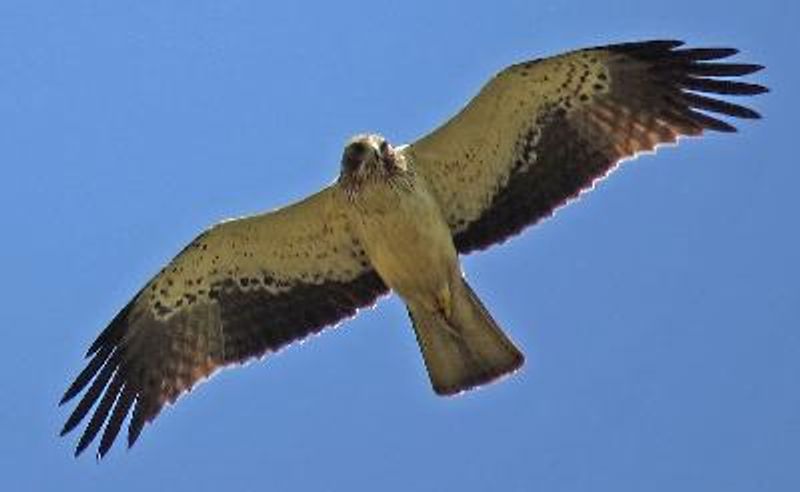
[(141, 363), (663, 100)]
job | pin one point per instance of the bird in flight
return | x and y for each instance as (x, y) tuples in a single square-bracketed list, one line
[(536, 136)]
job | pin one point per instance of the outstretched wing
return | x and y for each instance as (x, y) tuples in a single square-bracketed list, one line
[(541, 132), (242, 289)]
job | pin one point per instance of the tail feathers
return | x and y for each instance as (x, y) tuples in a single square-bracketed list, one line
[(467, 350)]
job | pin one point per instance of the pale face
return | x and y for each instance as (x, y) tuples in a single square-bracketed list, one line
[(367, 156)]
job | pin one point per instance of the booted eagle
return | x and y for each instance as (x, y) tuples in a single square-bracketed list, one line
[(398, 217)]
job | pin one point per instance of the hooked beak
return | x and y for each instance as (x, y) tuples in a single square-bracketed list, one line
[(389, 158)]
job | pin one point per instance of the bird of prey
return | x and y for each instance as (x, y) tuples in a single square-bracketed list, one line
[(536, 136)]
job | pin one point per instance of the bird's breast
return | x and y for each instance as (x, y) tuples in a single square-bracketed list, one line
[(406, 238)]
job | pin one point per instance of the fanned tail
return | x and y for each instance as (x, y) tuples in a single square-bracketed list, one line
[(466, 351)]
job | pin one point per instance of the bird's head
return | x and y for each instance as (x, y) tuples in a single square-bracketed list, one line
[(368, 157)]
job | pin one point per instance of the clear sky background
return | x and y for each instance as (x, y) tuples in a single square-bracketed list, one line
[(660, 314)]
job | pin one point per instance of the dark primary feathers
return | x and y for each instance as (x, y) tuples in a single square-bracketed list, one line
[(543, 131), (241, 290)]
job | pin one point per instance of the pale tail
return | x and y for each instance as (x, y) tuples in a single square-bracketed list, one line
[(467, 351)]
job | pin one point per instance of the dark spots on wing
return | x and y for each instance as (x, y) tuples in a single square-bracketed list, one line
[(568, 78), (579, 87), (258, 321), (565, 164), (602, 76), (160, 309)]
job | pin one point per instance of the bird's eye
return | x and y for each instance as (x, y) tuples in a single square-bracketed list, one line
[(357, 149), (353, 155)]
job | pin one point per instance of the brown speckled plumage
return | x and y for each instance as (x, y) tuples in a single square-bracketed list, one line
[(241, 290), (537, 135), (565, 122)]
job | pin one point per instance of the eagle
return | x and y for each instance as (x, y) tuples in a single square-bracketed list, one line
[(397, 218)]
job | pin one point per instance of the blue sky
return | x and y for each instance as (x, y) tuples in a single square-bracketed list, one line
[(660, 314)]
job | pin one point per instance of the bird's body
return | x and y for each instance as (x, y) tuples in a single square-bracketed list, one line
[(405, 236), (537, 135), (407, 240)]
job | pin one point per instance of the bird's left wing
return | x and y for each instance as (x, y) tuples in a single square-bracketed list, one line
[(240, 290), (541, 132)]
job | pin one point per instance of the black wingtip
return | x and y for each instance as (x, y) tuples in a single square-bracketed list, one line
[(115, 330), (660, 46), (71, 392), (700, 54), (134, 430), (64, 431), (65, 398), (713, 69), (72, 422), (81, 447), (718, 106), (664, 44), (100, 341), (693, 77), (710, 123), (724, 87)]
